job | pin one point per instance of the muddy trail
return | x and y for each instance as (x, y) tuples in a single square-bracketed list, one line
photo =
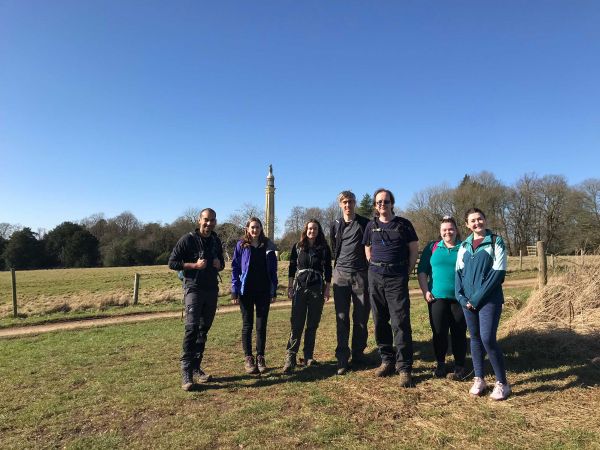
[(131, 318)]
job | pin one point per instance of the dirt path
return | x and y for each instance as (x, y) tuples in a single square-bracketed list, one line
[(91, 323)]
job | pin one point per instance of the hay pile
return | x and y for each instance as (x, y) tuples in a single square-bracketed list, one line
[(570, 301)]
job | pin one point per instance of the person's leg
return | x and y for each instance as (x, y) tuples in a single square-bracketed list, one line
[(315, 309), (297, 320), (247, 309), (477, 348), (192, 319), (360, 313), (398, 302), (439, 310), (381, 318), (458, 332), (342, 292), (489, 318), (208, 308), (263, 304)]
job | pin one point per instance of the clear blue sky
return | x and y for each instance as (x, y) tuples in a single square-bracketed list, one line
[(158, 106)]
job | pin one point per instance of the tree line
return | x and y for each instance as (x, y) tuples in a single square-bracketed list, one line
[(534, 208)]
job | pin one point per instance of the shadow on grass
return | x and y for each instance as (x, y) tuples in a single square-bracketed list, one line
[(553, 356)]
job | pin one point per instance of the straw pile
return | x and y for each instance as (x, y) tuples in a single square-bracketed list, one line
[(570, 301)]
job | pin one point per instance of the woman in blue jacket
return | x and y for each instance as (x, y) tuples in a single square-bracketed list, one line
[(254, 284), (480, 271)]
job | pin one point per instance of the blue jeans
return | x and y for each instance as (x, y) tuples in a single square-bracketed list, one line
[(483, 325)]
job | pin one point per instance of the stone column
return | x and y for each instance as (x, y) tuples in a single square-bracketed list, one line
[(270, 205)]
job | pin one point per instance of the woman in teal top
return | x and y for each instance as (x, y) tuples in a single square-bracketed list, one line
[(436, 273)]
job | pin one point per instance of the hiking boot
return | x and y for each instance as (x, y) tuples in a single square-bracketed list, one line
[(342, 367), (311, 362), (261, 364), (440, 370), (201, 376), (460, 374), (187, 379), (359, 360), (501, 391), (478, 387), (250, 365), (290, 363), (405, 379), (385, 369)]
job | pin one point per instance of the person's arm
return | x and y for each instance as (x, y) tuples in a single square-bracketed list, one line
[(332, 239), (178, 256), (219, 262), (272, 268), (292, 270), (327, 271), (413, 254), (424, 273), (236, 272), (459, 290), (368, 253)]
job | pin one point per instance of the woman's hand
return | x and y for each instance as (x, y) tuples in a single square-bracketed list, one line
[(235, 300), (290, 292), (326, 293), (470, 307), (429, 297), (273, 299)]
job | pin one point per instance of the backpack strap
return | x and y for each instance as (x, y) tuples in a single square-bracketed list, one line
[(434, 246)]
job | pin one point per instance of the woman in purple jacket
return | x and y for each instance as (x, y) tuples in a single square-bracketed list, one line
[(254, 284)]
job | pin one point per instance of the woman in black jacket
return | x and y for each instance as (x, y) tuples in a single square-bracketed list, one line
[(308, 288)]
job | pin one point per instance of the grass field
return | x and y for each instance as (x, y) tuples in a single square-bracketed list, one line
[(50, 295), (118, 387)]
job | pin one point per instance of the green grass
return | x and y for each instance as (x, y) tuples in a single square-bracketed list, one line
[(118, 386)]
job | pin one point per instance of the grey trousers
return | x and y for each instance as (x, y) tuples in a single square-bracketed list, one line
[(351, 289)]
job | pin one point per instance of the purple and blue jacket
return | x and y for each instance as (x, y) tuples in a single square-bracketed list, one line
[(239, 268)]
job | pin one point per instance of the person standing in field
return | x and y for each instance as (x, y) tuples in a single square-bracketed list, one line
[(254, 285), (391, 247), (199, 255), (350, 282), (308, 288), (436, 273), (480, 271)]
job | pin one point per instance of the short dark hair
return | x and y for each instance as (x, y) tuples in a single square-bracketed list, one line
[(473, 211), (210, 210)]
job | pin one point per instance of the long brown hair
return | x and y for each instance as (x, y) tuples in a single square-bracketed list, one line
[(247, 239), (319, 240)]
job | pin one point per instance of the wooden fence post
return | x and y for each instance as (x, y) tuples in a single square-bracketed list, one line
[(582, 259), (14, 291), (520, 260), (136, 287), (542, 264)]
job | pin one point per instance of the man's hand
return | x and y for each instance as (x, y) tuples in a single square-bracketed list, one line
[(201, 264), (216, 263)]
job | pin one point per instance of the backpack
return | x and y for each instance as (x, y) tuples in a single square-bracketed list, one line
[(180, 273)]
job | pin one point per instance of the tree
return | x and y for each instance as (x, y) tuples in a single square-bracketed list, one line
[(3, 244), (229, 234), (24, 251), (71, 245), (7, 229), (365, 207)]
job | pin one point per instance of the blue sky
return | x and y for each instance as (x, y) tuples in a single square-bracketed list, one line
[(155, 107)]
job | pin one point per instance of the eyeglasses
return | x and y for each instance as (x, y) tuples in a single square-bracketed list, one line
[(382, 202)]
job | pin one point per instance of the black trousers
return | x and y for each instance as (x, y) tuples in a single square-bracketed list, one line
[(200, 309), (351, 289), (447, 314), (390, 303), (307, 307), (262, 302)]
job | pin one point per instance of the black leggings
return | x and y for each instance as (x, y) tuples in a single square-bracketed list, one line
[(447, 314), (262, 301)]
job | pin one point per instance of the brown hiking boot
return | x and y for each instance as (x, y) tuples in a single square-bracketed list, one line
[(261, 364), (201, 376), (405, 379), (290, 363), (250, 365), (459, 374), (385, 369), (187, 380)]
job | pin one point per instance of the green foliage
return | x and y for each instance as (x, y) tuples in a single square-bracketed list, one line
[(284, 255), (71, 245), (365, 207), (24, 251)]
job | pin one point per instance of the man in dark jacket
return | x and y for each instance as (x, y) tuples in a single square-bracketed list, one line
[(200, 256), (350, 281)]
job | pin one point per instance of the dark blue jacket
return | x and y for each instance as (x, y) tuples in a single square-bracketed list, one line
[(240, 264), (188, 249)]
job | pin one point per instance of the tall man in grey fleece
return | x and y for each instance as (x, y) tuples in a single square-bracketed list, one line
[(350, 285)]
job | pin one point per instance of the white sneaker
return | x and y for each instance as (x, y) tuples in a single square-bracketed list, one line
[(478, 387), (501, 391)]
